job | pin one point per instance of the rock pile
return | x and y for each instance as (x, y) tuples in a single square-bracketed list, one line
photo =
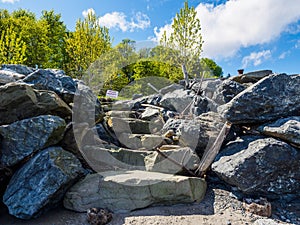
[(60, 145)]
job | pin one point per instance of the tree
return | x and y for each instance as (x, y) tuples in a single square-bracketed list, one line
[(12, 48), (34, 33), (56, 31), (186, 38), (212, 66), (86, 44)]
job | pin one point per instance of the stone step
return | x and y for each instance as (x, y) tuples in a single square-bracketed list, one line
[(123, 191)]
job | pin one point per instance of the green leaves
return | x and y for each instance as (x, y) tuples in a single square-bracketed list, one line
[(85, 45), (186, 38), (12, 48)]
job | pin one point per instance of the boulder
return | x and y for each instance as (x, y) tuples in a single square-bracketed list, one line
[(20, 101), (155, 162), (208, 87), (140, 141), (287, 129), (105, 159), (41, 183), (86, 106), (170, 88), (226, 91), (7, 76), (198, 133), (123, 191), (252, 77), (25, 137), (269, 99), (150, 113), (135, 126), (53, 80), (203, 104), (122, 114), (20, 69), (258, 165), (177, 100), (5, 175)]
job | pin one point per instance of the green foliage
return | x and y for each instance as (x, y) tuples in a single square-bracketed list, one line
[(34, 33), (185, 39), (141, 86), (12, 48), (56, 44), (212, 66), (85, 45)]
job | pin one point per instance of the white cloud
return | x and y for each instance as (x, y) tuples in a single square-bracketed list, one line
[(119, 20), (9, 1), (256, 58), (88, 11), (228, 27), (284, 54), (297, 45)]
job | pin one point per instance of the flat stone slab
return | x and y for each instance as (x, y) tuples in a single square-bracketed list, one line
[(123, 191)]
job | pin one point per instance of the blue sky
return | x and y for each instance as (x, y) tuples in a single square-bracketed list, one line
[(248, 34)]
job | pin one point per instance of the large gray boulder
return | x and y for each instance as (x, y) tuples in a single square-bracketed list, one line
[(20, 101), (103, 159), (7, 76), (86, 106), (41, 183), (20, 69), (260, 166), (198, 133), (251, 77), (53, 80), (287, 129), (271, 98), (226, 91), (23, 138), (208, 86), (123, 191), (177, 100), (155, 162)]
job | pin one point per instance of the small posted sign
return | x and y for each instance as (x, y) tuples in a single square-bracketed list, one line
[(112, 94)]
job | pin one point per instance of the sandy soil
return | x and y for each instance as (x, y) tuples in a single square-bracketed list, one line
[(219, 207)]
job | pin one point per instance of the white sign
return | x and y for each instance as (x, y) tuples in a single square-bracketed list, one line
[(112, 94)]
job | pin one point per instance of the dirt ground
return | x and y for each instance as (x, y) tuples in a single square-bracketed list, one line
[(219, 207)]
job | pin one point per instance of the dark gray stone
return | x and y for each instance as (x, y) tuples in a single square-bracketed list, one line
[(208, 87), (21, 69), (150, 113), (252, 77), (202, 104), (170, 88), (7, 76), (20, 101), (42, 182), (155, 162), (177, 100), (226, 91), (198, 133), (86, 108), (271, 98), (134, 126), (23, 138), (53, 80), (287, 129), (260, 166)]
